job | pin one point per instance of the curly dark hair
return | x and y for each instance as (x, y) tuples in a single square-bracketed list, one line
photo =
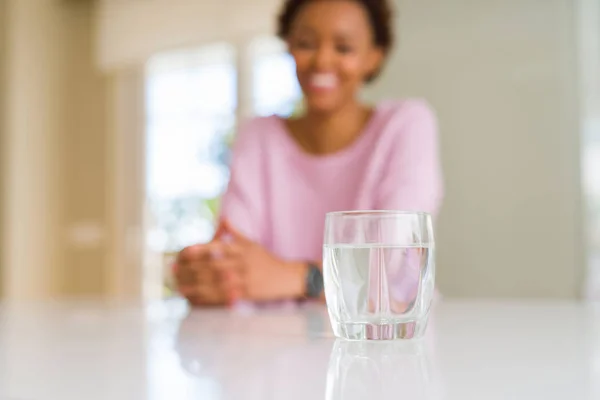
[(380, 16)]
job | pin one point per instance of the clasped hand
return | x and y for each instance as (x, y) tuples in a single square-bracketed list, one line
[(231, 268)]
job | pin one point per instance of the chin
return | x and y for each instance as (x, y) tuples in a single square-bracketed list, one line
[(322, 105)]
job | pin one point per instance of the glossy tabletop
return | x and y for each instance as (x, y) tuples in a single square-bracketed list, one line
[(473, 350)]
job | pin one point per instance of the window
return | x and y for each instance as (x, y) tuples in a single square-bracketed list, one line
[(591, 168), (191, 102), (191, 108), (275, 87)]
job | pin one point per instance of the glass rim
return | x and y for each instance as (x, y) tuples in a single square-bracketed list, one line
[(375, 212)]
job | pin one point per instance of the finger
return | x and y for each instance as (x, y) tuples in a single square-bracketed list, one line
[(203, 275), (188, 270), (234, 232), (221, 249), (213, 297), (233, 286), (183, 273), (205, 295), (191, 253), (207, 301), (224, 264), (199, 289), (186, 279), (187, 290), (231, 281), (189, 261), (193, 273), (220, 229)]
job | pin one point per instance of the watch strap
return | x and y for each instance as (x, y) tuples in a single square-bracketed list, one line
[(314, 281)]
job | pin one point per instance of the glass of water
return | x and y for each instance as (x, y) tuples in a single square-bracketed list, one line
[(379, 273)]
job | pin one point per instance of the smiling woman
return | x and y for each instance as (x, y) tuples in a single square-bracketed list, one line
[(379, 22), (341, 154)]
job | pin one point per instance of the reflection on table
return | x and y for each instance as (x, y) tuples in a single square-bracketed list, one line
[(486, 350)]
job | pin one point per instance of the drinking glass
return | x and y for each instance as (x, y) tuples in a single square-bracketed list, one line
[(379, 270)]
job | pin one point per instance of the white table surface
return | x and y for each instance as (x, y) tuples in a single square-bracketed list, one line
[(486, 350)]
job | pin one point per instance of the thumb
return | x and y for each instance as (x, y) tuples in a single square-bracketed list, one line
[(220, 229), (233, 232)]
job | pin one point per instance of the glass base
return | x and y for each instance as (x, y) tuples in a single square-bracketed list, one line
[(383, 331)]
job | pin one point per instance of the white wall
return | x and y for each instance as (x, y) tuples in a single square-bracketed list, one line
[(130, 31), (503, 77)]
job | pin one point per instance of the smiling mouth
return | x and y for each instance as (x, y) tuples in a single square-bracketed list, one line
[(323, 81)]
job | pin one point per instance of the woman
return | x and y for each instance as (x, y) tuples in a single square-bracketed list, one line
[(341, 155)]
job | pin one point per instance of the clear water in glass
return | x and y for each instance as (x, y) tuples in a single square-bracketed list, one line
[(379, 274)]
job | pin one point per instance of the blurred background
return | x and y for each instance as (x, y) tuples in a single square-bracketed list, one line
[(116, 118)]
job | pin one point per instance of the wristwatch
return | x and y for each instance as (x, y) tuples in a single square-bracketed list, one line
[(314, 281)]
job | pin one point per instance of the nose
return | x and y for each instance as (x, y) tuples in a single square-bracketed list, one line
[(324, 58)]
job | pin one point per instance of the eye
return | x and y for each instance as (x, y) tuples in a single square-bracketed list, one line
[(304, 44), (344, 48)]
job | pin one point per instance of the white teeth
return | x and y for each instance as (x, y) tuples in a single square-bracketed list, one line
[(324, 81)]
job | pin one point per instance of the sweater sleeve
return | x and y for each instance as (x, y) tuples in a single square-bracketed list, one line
[(243, 203), (413, 177)]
